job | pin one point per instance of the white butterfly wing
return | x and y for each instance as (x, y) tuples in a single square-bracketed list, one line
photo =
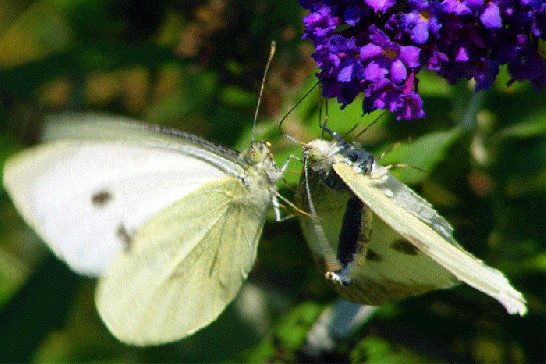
[(390, 271), (82, 197), (390, 200), (184, 266)]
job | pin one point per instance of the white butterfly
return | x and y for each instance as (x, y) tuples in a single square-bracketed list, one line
[(411, 249), (169, 221)]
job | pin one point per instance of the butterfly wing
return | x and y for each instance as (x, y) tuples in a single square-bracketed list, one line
[(184, 266), (389, 270), (411, 217), (392, 270), (81, 197)]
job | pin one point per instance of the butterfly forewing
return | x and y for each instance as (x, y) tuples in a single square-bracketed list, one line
[(406, 198), (429, 236), (76, 196)]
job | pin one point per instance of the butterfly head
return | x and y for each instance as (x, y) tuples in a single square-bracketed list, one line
[(350, 154), (363, 161), (319, 157), (340, 151), (258, 155)]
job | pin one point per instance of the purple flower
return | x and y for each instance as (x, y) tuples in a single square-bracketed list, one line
[(320, 23), (377, 47), (383, 95), (490, 17), (455, 7), (380, 5), (422, 21), (385, 58), (411, 107)]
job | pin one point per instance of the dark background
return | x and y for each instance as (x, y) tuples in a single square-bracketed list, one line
[(197, 66)]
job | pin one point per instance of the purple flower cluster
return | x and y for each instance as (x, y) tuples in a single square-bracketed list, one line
[(378, 46)]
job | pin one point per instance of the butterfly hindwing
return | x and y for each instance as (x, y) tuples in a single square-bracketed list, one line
[(190, 273)]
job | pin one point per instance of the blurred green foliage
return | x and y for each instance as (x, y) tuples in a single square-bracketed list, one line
[(197, 66)]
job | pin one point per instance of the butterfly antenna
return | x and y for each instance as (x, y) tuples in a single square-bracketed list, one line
[(370, 125), (323, 125), (333, 134), (271, 53), (320, 117), (292, 109)]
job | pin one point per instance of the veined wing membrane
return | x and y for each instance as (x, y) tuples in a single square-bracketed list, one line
[(96, 188), (429, 238), (182, 263)]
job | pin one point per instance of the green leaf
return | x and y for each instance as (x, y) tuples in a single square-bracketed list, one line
[(423, 153), (533, 126)]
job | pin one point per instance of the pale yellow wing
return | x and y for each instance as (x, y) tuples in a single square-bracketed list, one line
[(398, 206), (183, 266), (389, 271)]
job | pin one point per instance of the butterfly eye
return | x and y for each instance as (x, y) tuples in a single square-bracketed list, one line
[(253, 155), (353, 157), (314, 154), (367, 163), (361, 159)]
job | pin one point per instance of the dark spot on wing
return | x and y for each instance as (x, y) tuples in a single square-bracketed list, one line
[(101, 198), (404, 247), (123, 234), (372, 256)]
